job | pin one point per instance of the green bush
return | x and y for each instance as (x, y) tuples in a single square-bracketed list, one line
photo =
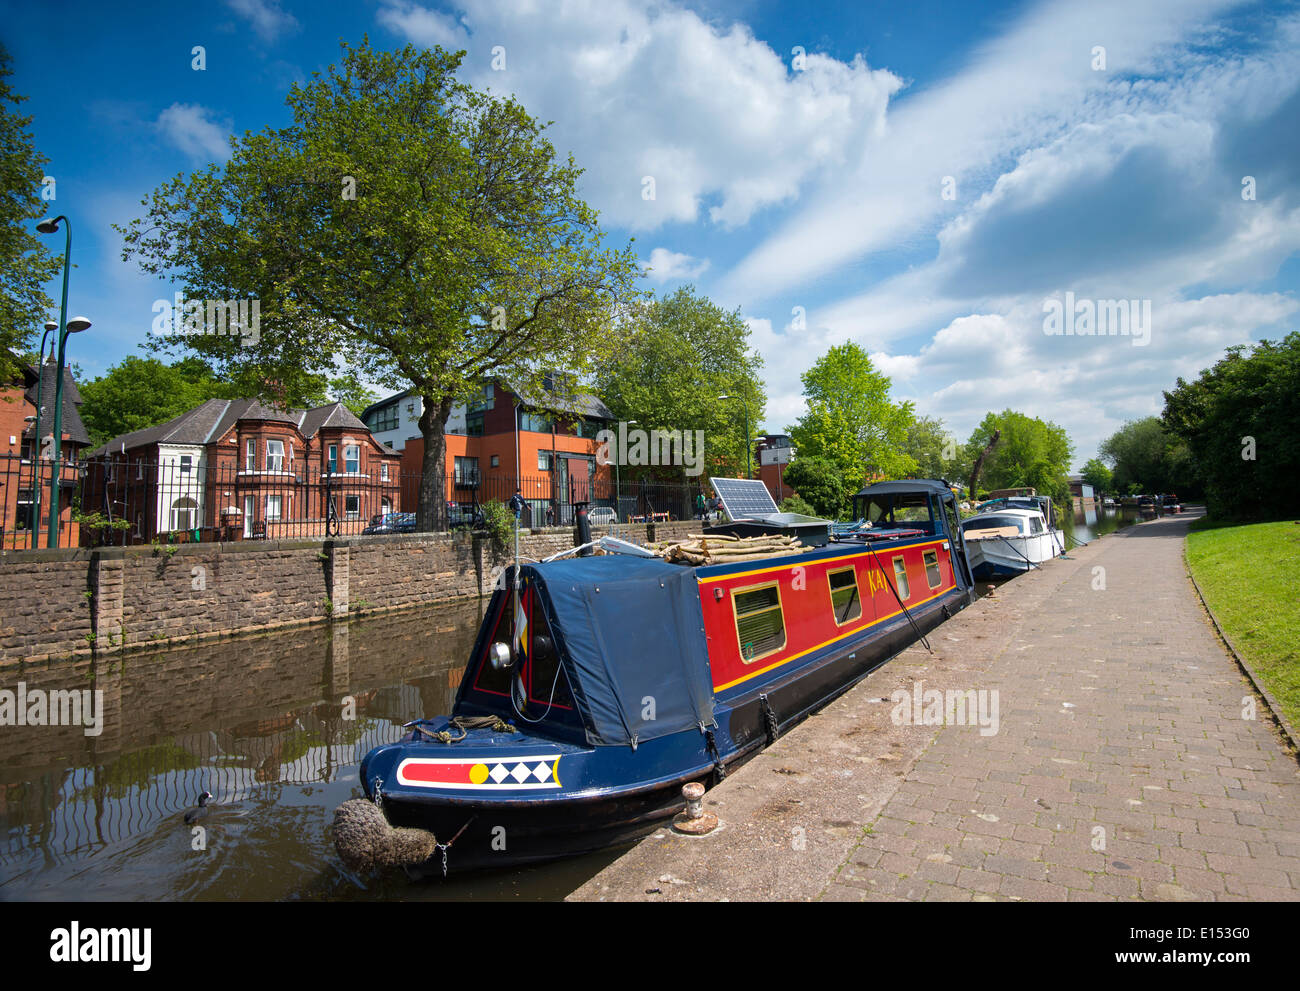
[(500, 524), (794, 504)]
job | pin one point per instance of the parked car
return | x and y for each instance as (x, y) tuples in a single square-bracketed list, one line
[(392, 523), (1170, 504), (464, 517)]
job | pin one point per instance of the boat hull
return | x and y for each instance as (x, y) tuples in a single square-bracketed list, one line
[(1006, 557)]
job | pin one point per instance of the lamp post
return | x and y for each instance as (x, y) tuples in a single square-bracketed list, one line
[(76, 325), (50, 327), (749, 473)]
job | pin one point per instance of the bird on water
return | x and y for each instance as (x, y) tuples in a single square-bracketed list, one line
[(195, 814)]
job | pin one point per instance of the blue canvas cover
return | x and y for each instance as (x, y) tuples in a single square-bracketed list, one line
[(630, 630)]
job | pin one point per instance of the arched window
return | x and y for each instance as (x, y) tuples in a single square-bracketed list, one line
[(184, 514)]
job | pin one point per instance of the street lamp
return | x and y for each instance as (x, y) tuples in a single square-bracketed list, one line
[(75, 326), (749, 473)]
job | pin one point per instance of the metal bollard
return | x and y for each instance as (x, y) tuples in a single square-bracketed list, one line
[(694, 821)]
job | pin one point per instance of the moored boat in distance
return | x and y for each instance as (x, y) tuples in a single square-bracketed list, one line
[(600, 685), (1009, 540)]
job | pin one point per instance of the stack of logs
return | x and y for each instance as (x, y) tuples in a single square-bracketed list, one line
[(724, 549)]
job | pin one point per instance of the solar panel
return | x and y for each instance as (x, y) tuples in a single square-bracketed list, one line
[(744, 498)]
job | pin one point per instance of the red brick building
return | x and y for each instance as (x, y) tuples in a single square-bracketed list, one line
[(24, 476), (232, 469)]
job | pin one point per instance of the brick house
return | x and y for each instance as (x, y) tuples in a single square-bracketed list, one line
[(239, 469), (22, 499), (503, 440)]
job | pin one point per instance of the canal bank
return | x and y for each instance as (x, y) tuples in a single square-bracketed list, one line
[(1123, 764)]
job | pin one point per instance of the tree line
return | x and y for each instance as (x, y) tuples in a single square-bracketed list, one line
[(1230, 436)]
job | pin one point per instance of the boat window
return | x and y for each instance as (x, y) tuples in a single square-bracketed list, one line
[(846, 599), (545, 672), (489, 678), (900, 579), (992, 523), (933, 576), (760, 625), (1035, 525)]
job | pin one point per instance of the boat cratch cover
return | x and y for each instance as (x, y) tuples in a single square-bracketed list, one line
[(632, 634)]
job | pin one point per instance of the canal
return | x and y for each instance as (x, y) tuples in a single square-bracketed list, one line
[(261, 722)]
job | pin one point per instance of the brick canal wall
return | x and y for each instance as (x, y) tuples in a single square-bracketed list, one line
[(59, 603)]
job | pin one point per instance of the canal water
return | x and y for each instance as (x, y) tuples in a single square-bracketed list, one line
[(259, 722)]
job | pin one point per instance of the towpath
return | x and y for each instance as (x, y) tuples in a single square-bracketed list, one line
[(1123, 766)]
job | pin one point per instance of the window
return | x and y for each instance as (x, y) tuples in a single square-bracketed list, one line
[(352, 459), (384, 419), (385, 505), (291, 455), (845, 597), (536, 422), (760, 625), (275, 455), (543, 460), (187, 463), (900, 579), (466, 471), (250, 455), (933, 576), (383, 471), (352, 507), (184, 513), (333, 459), (474, 424), (496, 461), (139, 468), (274, 508)]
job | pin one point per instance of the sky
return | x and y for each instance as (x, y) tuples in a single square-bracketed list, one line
[(938, 182)]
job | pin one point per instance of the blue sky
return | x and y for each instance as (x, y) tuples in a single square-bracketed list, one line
[(922, 183)]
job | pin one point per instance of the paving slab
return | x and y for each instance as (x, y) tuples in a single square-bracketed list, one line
[(1123, 765)]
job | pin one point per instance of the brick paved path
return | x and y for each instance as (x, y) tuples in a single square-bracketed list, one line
[(1123, 767)]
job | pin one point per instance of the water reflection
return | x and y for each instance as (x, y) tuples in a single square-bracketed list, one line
[(274, 726)]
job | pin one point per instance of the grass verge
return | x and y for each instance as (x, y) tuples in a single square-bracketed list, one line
[(1250, 576)]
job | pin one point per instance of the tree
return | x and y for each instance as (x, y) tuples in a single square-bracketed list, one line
[(934, 449), (1030, 453), (1237, 427), (405, 226), (679, 354), (819, 483), (851, 421), (348, 390), (1137, 454), (25, 262), (142, 392), (1098, 476)]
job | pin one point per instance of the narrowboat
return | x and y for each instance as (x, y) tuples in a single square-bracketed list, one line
[(600, 685)]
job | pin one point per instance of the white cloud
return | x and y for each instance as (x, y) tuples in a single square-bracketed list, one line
[(266, 17), (190, 128), (664, 265), (422, 26), (721, 123)]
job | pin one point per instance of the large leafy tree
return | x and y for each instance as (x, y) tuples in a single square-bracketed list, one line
[(819, 481), (1030, 452), (1096, 474), (141, 392), (851, 420), (1139, 456), (1239, 423), (403, 225), (25, 262), (680, 353), (934, 449)]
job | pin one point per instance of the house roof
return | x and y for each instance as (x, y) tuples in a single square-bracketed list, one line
[(72, 424), (213, 419)]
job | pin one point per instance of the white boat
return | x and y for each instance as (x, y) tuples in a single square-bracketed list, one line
[(1005, 542)]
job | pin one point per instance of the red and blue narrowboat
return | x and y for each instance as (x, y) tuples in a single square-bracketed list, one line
[(599, 686)]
